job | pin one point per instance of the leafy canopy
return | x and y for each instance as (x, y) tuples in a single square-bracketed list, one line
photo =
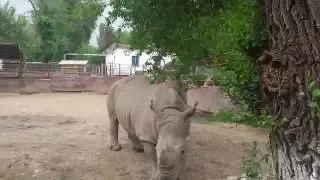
[(65, 25), (229, 35), (18, 29)]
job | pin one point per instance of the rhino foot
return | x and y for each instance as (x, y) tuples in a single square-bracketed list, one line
[(116, 147), (138, 149)]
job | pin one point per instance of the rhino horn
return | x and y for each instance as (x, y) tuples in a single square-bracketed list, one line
[(190, 111)]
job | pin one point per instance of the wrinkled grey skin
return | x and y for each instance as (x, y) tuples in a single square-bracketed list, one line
[(156, 120)]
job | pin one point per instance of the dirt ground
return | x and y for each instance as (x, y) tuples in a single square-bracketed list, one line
[(63, 136)]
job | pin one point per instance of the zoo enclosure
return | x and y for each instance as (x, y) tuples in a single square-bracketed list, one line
[(47, 70)]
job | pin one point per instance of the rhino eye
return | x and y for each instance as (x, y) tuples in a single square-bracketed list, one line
[(182, 152)]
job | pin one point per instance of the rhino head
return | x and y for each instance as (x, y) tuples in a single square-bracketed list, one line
[(173, 129)]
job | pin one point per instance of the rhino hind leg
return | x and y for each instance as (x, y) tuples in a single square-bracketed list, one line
[(136, 145), (114, 133)]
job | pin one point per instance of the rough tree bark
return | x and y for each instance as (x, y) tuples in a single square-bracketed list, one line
[(293, 28)]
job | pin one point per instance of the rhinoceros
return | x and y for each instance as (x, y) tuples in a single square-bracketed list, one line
[(156, 120)]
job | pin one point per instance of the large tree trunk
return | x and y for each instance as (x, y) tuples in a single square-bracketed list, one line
[(293, 28)]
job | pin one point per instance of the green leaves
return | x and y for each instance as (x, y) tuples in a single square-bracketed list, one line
[(311, 85), (124, 37), (316, 93), (65, 25), (313, 97), (231, 32), (312, 104), (18, 29)]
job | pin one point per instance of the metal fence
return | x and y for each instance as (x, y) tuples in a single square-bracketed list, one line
[(46, 70), (10, 69)]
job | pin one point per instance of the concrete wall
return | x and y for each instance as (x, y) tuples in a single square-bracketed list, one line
[(210, 99), (58, 83)]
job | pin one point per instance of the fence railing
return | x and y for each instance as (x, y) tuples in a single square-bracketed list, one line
[(35, 69)]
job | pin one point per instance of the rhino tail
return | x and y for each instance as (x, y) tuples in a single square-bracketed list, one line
[(113, 121)]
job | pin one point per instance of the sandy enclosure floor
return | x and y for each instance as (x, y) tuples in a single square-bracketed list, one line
[(64, 136)]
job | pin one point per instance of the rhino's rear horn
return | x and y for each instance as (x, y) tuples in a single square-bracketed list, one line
[(190, 111)]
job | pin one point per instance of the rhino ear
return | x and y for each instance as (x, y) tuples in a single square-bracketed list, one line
[(152, 105), (190, 111), (154, 109)]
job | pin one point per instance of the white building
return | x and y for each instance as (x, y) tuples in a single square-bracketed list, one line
[(124, 61), (73, 66), (1, 64)]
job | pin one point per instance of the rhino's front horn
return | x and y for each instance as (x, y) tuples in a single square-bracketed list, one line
[(190, 111)]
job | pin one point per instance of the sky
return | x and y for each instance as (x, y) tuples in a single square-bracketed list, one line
[(23, 7)]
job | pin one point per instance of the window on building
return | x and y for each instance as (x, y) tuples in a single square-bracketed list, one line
[(135, 61)]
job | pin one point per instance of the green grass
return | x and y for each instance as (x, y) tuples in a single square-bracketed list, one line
[(246, 118), (202, 119), (261, 121)]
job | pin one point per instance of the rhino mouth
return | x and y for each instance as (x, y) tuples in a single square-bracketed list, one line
[(168, 173), (168, 177)]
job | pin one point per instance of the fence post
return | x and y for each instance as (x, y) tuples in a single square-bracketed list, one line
[(98, 70), (101, 67), (119, 69), (20, 76), (49, 67), (110, 69), (113, 66)]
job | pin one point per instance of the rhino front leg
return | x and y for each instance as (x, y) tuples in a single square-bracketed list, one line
[(114, 133), (136, 143), (150, 153)]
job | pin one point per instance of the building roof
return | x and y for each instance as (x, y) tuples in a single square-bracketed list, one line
[(74, 62), (10, 51), (115, 46)]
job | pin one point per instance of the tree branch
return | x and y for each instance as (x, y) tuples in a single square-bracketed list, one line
[(33, 5)]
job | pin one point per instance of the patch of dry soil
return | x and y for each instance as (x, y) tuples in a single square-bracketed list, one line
[(63, 136)]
